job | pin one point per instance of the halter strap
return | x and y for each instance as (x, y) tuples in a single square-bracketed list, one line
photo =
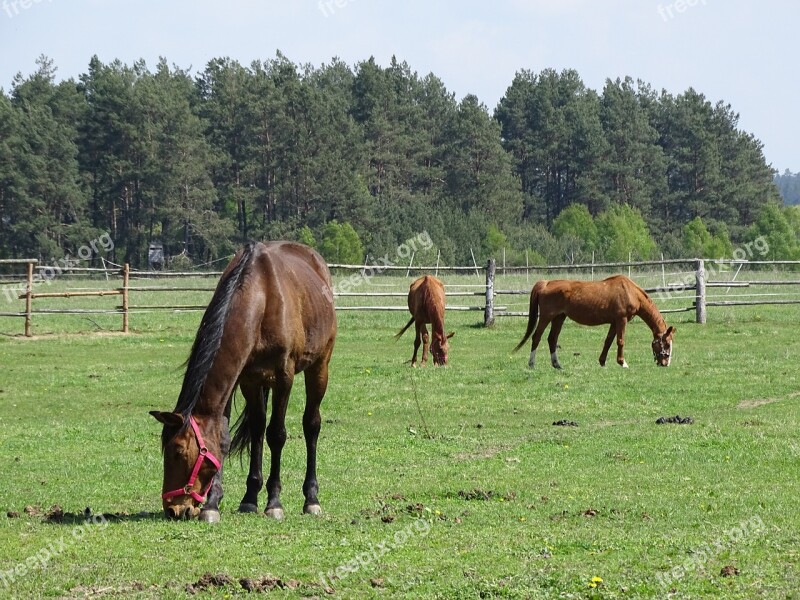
[(203, 455)]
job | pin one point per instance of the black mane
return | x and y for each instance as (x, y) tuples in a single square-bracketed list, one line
[(209, 335)]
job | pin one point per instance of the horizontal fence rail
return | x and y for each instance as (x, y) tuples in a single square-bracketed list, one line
[(682, 291)]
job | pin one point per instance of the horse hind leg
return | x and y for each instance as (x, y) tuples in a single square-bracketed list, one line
[(417, 342), (256, 406), (537, 337), (316, 384), (612, 331), (276, 439), (552, 339), (425, 345)]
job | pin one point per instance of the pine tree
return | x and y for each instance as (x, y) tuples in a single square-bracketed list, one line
[(45, 205)]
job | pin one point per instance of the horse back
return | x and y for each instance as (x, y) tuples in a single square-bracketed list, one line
[(591, 302), (289, 290), (426, 299)]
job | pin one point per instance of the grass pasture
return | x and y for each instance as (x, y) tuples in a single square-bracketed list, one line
[(436, 483)]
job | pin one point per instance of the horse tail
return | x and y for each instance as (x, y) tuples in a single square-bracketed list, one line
[(533, 315), (209, 334), (403, 330), (242, 429)]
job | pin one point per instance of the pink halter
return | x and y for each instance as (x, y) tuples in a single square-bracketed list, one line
[(204, 454)]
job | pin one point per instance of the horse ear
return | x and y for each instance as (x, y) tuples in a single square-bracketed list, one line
[(670, 331), (451, 334), (167, 418)]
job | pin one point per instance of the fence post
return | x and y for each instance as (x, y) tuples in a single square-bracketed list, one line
[(488, 311), (28, 300), (125, 277), (700, 291)]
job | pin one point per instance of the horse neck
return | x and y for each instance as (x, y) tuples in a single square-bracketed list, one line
[(650, 315), (437, 326), (207, 369)]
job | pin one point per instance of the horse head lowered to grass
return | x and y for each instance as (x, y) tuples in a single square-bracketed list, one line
[(271, 317), (426, 303), (615, 301)]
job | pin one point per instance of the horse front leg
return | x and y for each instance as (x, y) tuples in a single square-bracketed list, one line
[(276, 439), (210, 511), (552, 339), (256, 422), (621, 324), (612, 331), (316, 385)]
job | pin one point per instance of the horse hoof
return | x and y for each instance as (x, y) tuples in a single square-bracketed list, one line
[(209, 516), (274, 513), (246, 507), (312, 509), (624, 365)]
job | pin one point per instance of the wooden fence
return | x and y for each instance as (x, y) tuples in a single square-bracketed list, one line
[(694, 282)]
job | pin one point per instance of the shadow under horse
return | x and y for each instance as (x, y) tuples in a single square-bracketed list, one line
[(271, 317), (615, 301), (426, 302)]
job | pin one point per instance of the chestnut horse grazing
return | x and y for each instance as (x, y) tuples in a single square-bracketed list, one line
[(426, 303), (615, 300), (271, 317)]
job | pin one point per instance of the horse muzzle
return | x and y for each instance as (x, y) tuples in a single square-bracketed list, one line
[(663, 360), (181, 512)]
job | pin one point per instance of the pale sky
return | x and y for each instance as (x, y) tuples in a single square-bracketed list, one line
[(740, 51)]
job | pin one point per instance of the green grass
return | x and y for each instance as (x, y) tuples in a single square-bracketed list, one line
[(457, 473)]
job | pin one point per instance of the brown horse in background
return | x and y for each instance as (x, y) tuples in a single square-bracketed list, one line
[(271, 317), (615, 300), (426, 302)]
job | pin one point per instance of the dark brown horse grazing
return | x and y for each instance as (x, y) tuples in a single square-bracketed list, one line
[(271, 317), (426, 303), (615, 300)]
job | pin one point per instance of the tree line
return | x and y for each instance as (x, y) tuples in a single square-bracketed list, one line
[(354, 160), (789, 186)]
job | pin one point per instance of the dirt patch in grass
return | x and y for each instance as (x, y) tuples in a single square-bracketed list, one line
[(207, 583), (479, 494), (756, 402), (267, 583), (490, 452), (99, 591), (729, 571)]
